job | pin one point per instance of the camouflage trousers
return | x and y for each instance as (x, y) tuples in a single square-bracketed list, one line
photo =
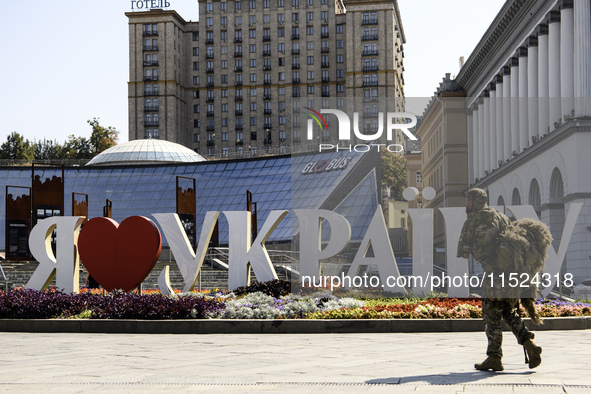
[(494, 311)]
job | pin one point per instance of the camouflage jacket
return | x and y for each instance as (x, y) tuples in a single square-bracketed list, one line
[(479, 236)]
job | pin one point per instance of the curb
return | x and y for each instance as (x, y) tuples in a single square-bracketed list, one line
[(273, 326)]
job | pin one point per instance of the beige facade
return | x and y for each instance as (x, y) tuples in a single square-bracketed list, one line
[(444, 156), (235, 81)]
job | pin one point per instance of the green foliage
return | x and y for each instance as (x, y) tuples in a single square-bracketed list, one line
[(16, 148), (394, 173), (76, 148), (47, 150), (102, 138)]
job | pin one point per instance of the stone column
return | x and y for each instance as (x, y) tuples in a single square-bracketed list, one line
[(486, 131), (532, 90), (582, 59), (475, 141), (499, 156), (567, 68), (481, 137), (514, 65), (470, 142), (542, 33), (555, 111), (492, 129), (506, 113), (523, 114)]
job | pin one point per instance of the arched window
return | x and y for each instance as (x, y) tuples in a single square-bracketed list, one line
[(515, 197), (534, 193), (556, 184), (501, 201)]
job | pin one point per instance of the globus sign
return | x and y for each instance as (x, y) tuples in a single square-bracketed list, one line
[(318, 167), (122, 256)]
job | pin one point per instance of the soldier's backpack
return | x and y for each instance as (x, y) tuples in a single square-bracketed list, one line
[(523, 246)]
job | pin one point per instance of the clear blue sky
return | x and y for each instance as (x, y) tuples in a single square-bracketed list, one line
[(66, 62)]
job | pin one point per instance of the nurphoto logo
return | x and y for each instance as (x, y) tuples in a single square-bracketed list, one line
[(387, 122)]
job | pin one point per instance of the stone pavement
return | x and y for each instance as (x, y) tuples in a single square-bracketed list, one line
[(389, 363)]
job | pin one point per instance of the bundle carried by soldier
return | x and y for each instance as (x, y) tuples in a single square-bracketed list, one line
[(506, 249)]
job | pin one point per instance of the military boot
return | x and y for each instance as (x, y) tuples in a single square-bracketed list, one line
[(532, 353), (492, 362)]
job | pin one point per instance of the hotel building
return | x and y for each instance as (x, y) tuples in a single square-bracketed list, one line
[(236, 81)]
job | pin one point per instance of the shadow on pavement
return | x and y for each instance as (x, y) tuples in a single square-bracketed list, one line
[(450, 378)]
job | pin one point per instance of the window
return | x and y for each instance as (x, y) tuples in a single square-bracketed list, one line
[(253, 48), (224, 23), (224, 64), (310, 30), (253, 63), (208, 8), (309, 16), (238, 5), (281, 32), (266, 19), (196, 36), (340, 88), (224, 93), (253, 77), (195, 65), (280, 3), (310, 59), (252, 4), (339, 29), (281, 61), (419, 178), (224, 6), (224, 107), (195, 51), (196, 108), (281, 47), (253, 106), (196, 80), (340, 103), (281, 91), (310, 75), (339, 58), (310, 45), (295, 17), (252, 33), (252, 20), (281, 18), (225, 133), (282, 120), (238, 19), (295, 3), (224, 78), (324, 15), (310, 89), (253, 121), (266, 3), (340, 73), (224, 50), (196, 137), (208, 21)]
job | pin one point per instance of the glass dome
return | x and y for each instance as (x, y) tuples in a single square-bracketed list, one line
[(148, 151)]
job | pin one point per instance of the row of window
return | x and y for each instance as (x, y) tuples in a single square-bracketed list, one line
[(266, 32), (265, 4)]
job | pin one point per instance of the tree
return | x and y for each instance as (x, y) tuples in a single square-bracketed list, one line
[(16, 148), (394, 173), (101, 138), (76, 148), (47, 150)]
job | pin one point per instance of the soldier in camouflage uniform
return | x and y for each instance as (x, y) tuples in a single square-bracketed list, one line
[(478, 239)]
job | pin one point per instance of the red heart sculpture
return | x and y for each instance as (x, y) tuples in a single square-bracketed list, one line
[(119, 256)]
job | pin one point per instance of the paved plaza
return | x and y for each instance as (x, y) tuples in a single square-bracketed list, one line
[(393, 363)]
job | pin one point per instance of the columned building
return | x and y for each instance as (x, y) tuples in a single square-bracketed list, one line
[(529, 116), (237, 81)]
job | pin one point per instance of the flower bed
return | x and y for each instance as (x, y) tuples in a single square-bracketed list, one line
[(32, 304)]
